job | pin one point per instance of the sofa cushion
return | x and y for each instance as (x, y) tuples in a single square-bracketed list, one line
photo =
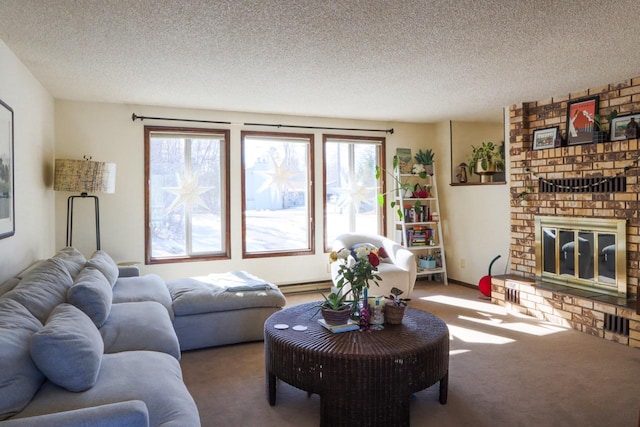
[(72, 258), (19, 376), (150, 376), (43, 288), (8, 285), (144, 325), (234, 290), (68, 350), (92, 293), (107, 266), (149, 287)]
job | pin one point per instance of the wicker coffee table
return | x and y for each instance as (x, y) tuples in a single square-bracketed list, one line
[(364, 378)]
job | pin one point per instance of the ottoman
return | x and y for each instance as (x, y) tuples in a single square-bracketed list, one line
[(220, 309)]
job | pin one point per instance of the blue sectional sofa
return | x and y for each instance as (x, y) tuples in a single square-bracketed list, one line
[(80, 346)]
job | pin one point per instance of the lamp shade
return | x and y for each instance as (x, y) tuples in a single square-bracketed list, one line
[(84, 176)]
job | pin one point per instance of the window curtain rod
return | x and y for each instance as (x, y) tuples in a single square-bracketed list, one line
[(135, 117)]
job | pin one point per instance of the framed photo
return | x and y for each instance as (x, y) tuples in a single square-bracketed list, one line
[(404, 159), (7, 203), (625, 127), (580, 120), (545, 138)]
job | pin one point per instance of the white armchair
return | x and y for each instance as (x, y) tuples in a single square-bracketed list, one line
[(398, 270)]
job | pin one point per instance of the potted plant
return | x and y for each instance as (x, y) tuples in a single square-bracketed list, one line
[(425, 158), (406, 187), (335, 308), (394, 308), (486, 160), (599, 135)]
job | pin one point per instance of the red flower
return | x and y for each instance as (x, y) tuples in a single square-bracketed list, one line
[(373, 259)]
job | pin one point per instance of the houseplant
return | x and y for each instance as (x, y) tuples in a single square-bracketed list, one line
[(394, 308), (398, 186), (335, 308), (486, 160), (425, 158), (599, 135)]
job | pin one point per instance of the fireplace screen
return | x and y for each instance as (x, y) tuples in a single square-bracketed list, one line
[(582, 252)]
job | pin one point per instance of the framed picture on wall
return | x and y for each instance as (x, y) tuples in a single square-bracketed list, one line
[(545, 138), (625, 127), (7, 204), (404, 159), (580, 120)]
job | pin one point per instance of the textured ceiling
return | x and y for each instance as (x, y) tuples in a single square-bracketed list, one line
[(384, 60)]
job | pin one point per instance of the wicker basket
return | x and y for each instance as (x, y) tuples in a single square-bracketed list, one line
[(393, 314)]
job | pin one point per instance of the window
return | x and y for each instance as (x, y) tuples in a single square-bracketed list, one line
[(187, 204), (277, 199), (350, 186)]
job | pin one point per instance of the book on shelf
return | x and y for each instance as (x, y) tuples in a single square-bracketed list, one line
[(351, 325)]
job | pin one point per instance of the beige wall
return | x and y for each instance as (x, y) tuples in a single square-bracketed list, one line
[(475, 219), (107, 133), (33, 110)]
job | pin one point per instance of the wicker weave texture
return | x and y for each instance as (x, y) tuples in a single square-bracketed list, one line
[(364, 378)]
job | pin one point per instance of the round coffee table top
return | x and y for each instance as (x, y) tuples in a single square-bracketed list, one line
[(418, 329)]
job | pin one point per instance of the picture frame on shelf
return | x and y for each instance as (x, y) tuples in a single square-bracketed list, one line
[(404, 159), (618, 127), (545, 138), (7, 187), (581, 120)]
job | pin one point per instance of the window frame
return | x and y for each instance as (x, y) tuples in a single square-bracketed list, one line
[(310, 189), (225, 160), (380, 141)]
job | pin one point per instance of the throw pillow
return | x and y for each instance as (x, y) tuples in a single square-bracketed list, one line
[(103, 262), (20, 378), (68, 350), (371, 247), (92, 293), (43, 288), (72, 258)]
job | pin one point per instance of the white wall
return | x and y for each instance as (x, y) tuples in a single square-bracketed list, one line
[(107, 133), (33, 110)]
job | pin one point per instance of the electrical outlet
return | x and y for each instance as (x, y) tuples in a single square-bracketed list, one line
[(463, 262)]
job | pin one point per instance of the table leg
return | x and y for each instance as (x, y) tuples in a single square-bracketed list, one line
[(444, 388), (271, 388)]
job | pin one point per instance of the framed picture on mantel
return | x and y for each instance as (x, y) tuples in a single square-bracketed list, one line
[(545, 138), (581, 120)]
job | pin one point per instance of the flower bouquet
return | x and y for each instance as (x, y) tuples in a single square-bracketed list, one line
[(358, 269)]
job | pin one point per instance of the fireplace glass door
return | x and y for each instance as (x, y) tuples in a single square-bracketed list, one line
[(582, 254)]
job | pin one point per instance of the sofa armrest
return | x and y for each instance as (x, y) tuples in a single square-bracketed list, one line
[(132, 413), (128, 271)]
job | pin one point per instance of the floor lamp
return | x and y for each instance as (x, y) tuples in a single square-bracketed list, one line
[(84, 177)]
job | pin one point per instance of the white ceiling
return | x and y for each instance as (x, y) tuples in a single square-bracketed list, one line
[(422, 61)]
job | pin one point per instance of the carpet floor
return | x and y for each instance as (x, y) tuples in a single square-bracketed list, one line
[(505, 370)]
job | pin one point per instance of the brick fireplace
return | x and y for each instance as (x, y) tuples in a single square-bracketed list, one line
[(608, 316)]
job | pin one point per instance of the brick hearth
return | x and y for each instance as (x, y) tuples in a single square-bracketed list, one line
[(593, 314)]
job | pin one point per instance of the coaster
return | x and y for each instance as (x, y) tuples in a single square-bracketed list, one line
[(281, 326), (299, 328)]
